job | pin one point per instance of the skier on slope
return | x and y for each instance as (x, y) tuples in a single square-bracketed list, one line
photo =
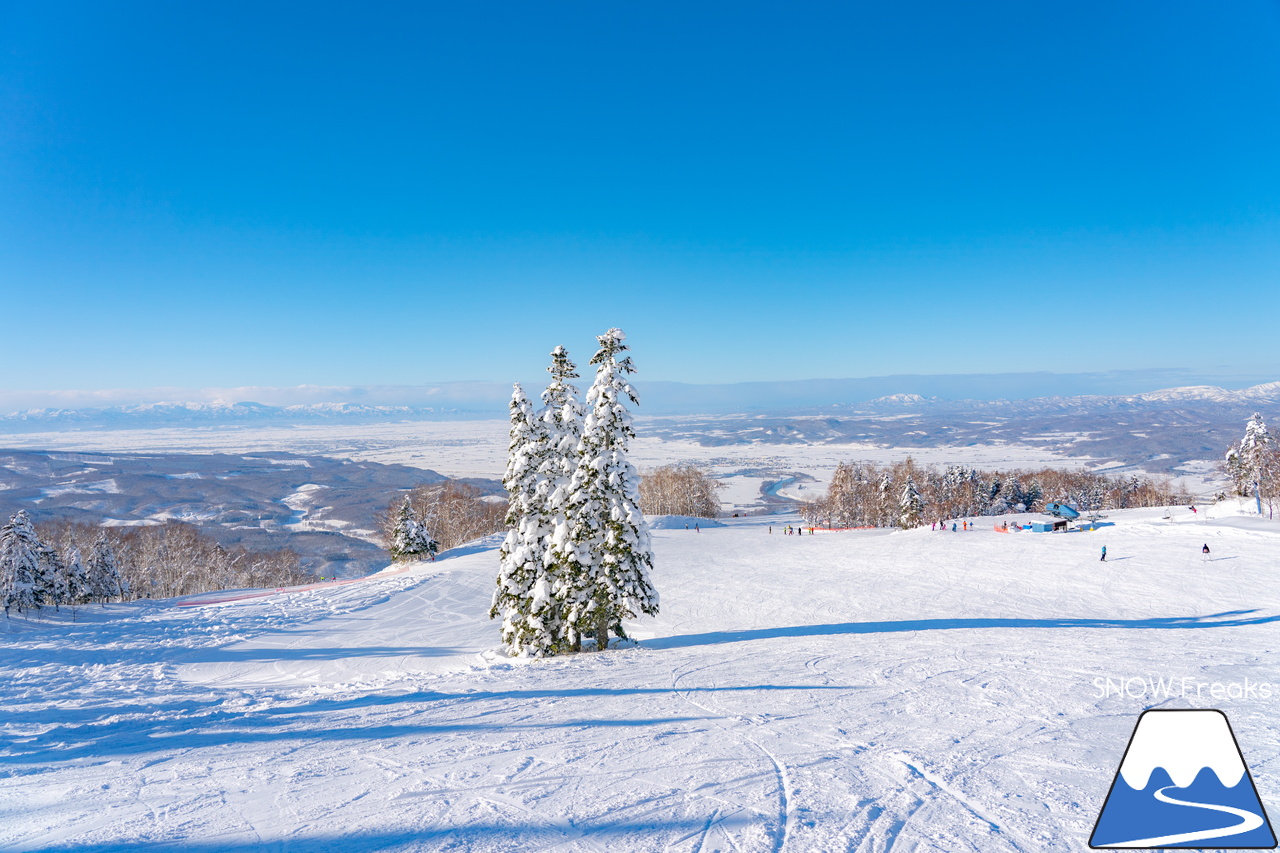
[(1204, 553), (1104, 553)]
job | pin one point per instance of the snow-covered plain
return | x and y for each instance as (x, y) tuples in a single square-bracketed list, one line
[(861, 691), (479, 449)]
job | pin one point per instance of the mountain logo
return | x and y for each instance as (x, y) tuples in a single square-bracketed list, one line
[(1182, 782)]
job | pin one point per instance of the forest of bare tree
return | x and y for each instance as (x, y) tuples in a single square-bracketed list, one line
[(679, 490), (906, 494), (171, 559)]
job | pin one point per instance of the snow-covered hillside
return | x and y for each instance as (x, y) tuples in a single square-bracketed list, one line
[(845, 691)]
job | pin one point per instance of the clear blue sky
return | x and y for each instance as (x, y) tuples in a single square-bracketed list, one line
[(273, 194)]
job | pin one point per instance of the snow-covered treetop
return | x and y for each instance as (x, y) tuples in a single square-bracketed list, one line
[(608, 421), (611, 343), (20, 523), (1255, 433), (561, 368), (521, 413)]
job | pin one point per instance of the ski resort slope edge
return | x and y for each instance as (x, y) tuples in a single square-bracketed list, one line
[(859, 691)]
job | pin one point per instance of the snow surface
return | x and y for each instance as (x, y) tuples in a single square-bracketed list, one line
[(680, 522), (859, 691)]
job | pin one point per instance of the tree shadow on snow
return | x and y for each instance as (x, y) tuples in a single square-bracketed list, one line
[(37, 657), (227, 731), (654, 834), (209, 723), (1227, 619)]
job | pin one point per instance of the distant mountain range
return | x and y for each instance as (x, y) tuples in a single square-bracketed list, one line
[(488, 399), (1267, 394), (1176, 431), (219, 412)]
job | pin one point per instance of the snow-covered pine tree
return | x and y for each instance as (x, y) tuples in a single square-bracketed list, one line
[(910, 505), (426, 544), (612, 554), (56, 590), (104, 575), (1033, 497), (561, 418), (20, 568), (1236, 470), (1257, 440), (1257, 461), (947, 493), (1013, 495), (523, 597), (410, 540), (884, 499), (405, 532), (980, 495), (77, 579)]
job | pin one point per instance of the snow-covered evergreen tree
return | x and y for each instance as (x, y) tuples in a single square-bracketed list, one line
[(77, 579), (884, 501), (104, 575), (21, 571), (57, 589), (410, 539), (980, 500), (611, 557), (910, 505), (1254, 464), (1033, 496), (1256, 442), (1013, 495), (404, 532), (1235, 468), (524, 597), (561, 417)]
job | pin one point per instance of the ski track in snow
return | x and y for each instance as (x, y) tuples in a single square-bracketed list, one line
[(864, 692)]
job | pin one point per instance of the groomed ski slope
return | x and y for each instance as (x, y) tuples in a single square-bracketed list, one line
[(863, 691)]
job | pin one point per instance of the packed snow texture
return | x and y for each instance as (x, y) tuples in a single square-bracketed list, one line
[(852, 691)]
